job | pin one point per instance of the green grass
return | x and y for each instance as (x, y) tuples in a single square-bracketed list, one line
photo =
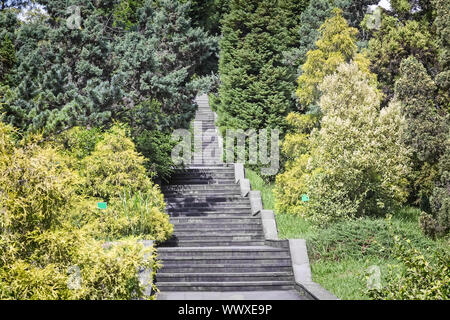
[(257, 183), (341, 254)]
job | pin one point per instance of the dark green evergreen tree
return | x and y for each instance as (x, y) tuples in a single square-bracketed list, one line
[(256, 88), (427, 126), (143, 69), (7, 57), (5, 4), (442, 27)]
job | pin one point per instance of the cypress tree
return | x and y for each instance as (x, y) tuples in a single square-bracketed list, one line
[(256, 87)]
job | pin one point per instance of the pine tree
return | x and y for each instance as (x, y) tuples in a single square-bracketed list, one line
[(314, 15), (426, 126), (310, 21), (88, 75), (5, 4), (442, 26)]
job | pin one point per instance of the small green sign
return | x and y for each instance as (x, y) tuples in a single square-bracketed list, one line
[(305, 197), (101, 205)]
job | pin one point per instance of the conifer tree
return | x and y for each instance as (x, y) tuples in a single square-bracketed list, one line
[(336, 45), (442, 26), (427, 127), (89, 75), (255, 87), (7, 57)]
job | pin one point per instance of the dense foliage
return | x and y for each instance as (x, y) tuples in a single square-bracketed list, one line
[(256, 88), (52, 236), (336, 45), (91, 91), (125, 61), (347, 172)]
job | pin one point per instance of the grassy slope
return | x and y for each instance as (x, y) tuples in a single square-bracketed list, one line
[(341, 254)]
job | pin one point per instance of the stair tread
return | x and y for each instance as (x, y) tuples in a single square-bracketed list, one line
[(225, 283)]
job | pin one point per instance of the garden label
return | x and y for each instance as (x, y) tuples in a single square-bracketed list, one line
[(101, 205)]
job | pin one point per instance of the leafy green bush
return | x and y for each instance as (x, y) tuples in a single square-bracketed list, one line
[(68, 264), (346, 167), (138, 214), (79, 142), (114, 166), (156, 146), (40, 247), (417, 276)]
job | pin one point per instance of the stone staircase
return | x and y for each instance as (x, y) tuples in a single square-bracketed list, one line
[(217, 244)]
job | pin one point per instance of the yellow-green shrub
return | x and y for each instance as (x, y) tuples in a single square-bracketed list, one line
[(36, 187), (38, 243), (296, 147), (79, 142), (350, 169), (114, 166), (139, 214), (63, 258)]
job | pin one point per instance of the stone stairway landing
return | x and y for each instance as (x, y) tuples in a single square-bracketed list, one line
[(218, 248)]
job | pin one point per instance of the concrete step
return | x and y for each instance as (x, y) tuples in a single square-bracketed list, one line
[(226, 251), (250, 236), (215, 227), (282, 266), (202, 193), (228, 176), (214, 261), (244, 203), (202, 181), (208, 166), (216, 220), (245, 210), (229, 169), (224, 276), (217, 233), (211, 243), (206, 215), (212, 207), (225, 286), (207, 199), (228, 173), (190, 187)]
